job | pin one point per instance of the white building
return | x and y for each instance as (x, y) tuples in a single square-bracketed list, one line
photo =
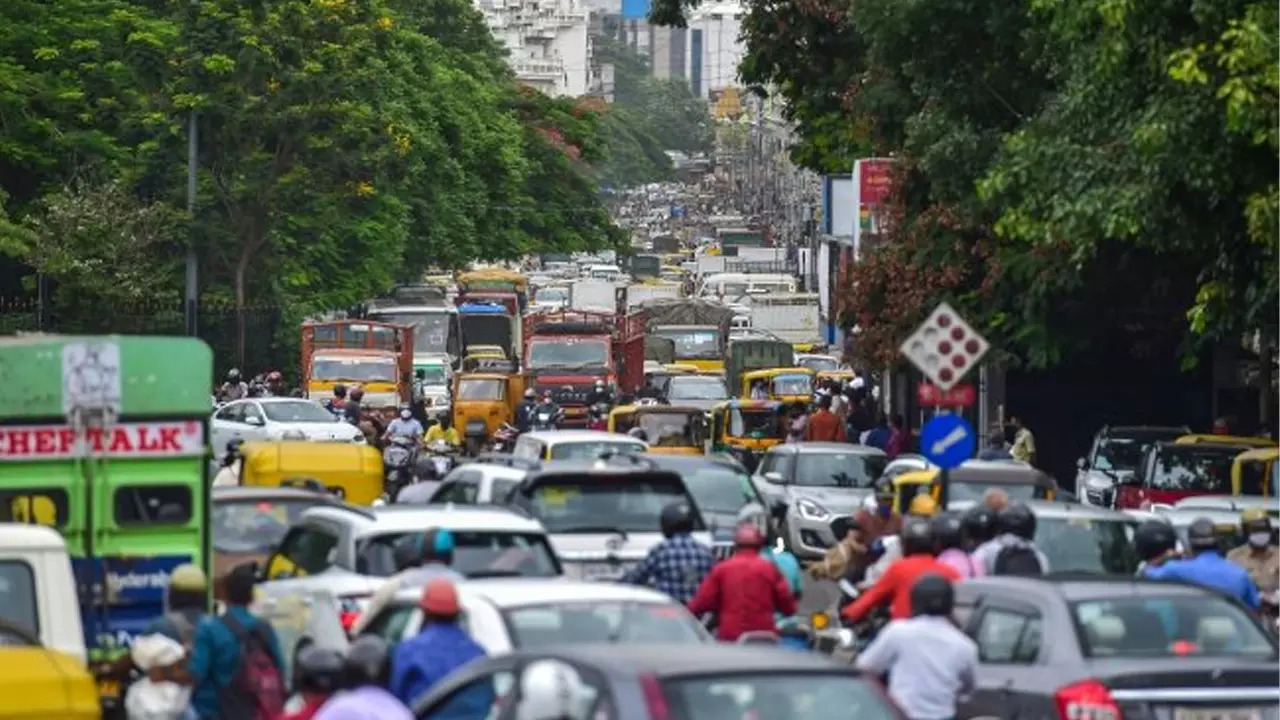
[(547, 41), (714, 46)]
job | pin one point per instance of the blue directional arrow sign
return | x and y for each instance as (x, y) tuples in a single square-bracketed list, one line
[(947, 441)]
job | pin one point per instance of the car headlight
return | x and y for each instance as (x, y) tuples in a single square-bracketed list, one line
[(293, 435), (810, 510)]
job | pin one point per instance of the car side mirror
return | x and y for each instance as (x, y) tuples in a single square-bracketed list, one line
[(254, 420), (775, 477)]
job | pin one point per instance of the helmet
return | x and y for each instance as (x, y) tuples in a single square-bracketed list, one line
[(1154, 538), (916, 536), (188, 578), (339, 390), (948, 530), (1017, 519), (1201, 535), (599, 384), (553, 689), (317, 669), (923, 505), (748, 535), (233, 374), (1255, 520), (754, 514), (530, 394), (676, 519), (979, 524), (546, 394), (932, 594), (357, 393), (368, 662)]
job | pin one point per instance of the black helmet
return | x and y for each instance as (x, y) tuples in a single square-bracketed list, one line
[(233, 446), (407, 552), (1017, 519), (1154, 538), (317, 669), (947, 530), (932, 594), (676, 519), (884, 490), (368, 663), (916, 536), (1201, 535), (339, 390), (979, 524)]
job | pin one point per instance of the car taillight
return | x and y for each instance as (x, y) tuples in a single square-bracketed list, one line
[(1086, 700), (654, 701), (349, 619)]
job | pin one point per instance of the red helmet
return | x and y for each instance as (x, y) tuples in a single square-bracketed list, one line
[(748, 535)]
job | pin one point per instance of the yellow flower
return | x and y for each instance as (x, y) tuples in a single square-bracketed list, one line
[(385, 22), (365, 189)]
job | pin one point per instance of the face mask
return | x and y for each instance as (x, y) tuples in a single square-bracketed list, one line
[(884, 510), (405, 414), (1260, 539)]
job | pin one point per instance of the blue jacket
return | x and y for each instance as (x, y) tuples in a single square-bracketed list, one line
[(422, 661), (1209, 569), (215, 656)]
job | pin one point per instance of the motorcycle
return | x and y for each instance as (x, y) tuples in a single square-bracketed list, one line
[(442, 456), (504, 439), (598, 417), (545, 418), (398, 459)]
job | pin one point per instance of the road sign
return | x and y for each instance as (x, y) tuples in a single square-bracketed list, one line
[(947, 441), (945, 347), (962, 395)]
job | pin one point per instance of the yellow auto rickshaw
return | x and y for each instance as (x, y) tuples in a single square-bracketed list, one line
[(669, 429), (1211, 439), (42, 682), (971, 481), (681, 369), (1254, 472), (839, 376), (788, 385), (352, 471), (747, 428), (482, 402)]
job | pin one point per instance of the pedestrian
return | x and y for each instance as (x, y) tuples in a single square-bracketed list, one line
[(1024, 443), (426, 557), (236, 665), (442, 646), (796, 426), (897, 437), (185, 599), (931, 664), (1208, 568), (995, 449), (1258, 555), (366, 673), (824, 425), (894, 587), (746, 592), (1013, 551), (948, 537), (879, 434), (678, 564), (317, 675)]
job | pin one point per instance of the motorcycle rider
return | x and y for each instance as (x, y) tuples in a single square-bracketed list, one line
[(887, 550), (678, 564), (1156, 543), (524, 411), (948, 538), (336, 403), (274, 384), (366, 673), (1207, 567), (600, 395), (442, 430), (895, 585), (235, 388), (931, 664), (1258, 556), (788, 565), (1013, 550), (317, 675), (229, 474), (745, 592), (405, 426), (351, 409), (979, 526), (442, 646), (549, 409)]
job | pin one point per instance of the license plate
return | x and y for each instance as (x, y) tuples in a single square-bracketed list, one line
[(108, 689), (1183, 713), (603, 571)]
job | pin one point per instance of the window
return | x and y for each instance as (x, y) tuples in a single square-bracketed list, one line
[(574, 504), (754, 423), (462, 491), (998, 635), (232, 413), (718, 489), (308, 549), (1087, 544), (335, 369), (297, 411), (593, 450), (703, 343), (568, 353), (778, 694), (1119, 453), (34, 506), (536, 626), (527, 449), (391, 623), (1168, 626), (18, 596), (792, 385), (483, 692), (696, 388), (846, 470), (481, 389), (153, 505), (1193, 468), (779, 462), (253, 526), (251, 412), (502, 490), (974, 491), (476, 553)]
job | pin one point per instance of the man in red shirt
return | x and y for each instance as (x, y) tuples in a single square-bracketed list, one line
[(744, 591), (823, 424), (895, 585)]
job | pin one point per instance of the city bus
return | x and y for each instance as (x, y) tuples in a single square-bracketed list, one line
[(105, 439)]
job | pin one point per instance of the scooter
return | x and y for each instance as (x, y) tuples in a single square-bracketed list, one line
[(504, 439), (442, 456), (398, 459)]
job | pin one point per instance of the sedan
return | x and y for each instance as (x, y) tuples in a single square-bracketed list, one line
[(277, 418), (661, 681)]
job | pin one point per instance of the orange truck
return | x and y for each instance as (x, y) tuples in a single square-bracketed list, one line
[(376, 356), (567, 351)]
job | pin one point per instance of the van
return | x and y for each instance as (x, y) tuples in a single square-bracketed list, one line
[(732, 286), (38, 588)]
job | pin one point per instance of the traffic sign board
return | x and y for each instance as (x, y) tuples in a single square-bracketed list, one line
[(947, 441), (962, 395), (945, 347)]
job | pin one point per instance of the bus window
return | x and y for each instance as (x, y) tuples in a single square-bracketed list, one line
[(153, 504), (34, 506)]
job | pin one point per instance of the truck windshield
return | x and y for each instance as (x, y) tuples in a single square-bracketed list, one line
[(480, 389), (431, 329), (568, 354), (702, 343), (333, 369)]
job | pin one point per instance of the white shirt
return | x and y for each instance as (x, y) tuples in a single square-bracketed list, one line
[(228, 476), (931, 665), (987, 552)]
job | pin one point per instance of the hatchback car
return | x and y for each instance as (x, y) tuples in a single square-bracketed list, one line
[(487, 482), (277, 418)]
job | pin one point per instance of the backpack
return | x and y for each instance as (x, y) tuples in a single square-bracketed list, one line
[(1019, 560), (257, 689)]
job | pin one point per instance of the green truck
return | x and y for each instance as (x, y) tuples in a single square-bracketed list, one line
[(106, 440)]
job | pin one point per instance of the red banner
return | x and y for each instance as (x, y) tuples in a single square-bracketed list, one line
[(130, 440), (959, 396), (875, 180)]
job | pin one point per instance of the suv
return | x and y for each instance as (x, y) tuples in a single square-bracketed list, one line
[(1114, 457)]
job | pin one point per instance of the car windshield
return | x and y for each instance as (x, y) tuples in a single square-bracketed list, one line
[(1094, 545), (433, 375), (571, 354), (476, 553), (792, 385), (593, 449), (253, 526), (298, 411), (344, 369), (717, 489), (669, 429), (603, 504), (1120, 453), (819, 363), (754, 423), (778, 694), (480, 389), (430, 329), (535, 626), (838, 469), (1168, 626), (1194, 468), (703, 343), (696, 388), (974, 491)]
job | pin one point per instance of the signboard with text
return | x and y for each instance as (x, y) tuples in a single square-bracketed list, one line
[(872, 185), (125, 440)]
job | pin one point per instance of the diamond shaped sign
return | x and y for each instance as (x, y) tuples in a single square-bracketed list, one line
[(945, 348)]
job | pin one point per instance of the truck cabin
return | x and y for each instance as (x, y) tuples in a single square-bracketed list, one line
[(584, 346)]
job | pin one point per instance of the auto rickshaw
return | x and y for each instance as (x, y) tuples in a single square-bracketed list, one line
[(745, 429), (352, 471), (788, 385), (839, 376), (681, 369), (669, 429), (1211, 439), (482, 402), (972, 480), (1254, 472)]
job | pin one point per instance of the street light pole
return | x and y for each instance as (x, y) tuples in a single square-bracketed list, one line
[(193, 261)]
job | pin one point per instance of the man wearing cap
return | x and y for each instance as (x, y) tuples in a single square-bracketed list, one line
[(440, 648), (184, 599), (434, 552)]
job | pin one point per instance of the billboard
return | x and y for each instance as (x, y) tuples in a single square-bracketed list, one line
[(872, 184), (635, 9)]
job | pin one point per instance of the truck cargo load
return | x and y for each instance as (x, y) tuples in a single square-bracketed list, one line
[(791, 316), (699, 329), (593, 295)]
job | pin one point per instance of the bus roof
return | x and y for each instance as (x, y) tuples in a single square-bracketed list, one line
[(153, 376)]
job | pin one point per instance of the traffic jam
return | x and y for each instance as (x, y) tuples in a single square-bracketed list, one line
[(539, 494)]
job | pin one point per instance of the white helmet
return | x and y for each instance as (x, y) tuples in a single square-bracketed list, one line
[(552, 690), (755, 514)]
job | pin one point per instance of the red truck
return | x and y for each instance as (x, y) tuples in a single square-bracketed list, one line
[(567, 351)]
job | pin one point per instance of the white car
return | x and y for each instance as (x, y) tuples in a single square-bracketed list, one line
[(522, 613), (278, 418)]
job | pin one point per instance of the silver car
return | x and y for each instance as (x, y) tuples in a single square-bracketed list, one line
[(816, 482)]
